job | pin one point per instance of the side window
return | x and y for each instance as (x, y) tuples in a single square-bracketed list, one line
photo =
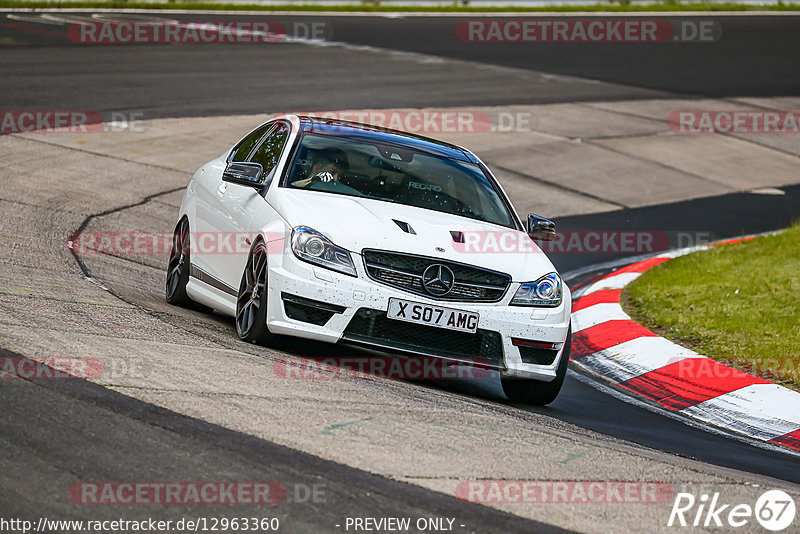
[(247, 144), (269, 152)]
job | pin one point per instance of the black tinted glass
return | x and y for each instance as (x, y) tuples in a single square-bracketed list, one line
[(247, 144), (270, 150)]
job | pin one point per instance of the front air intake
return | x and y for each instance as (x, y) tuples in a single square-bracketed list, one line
[(404, 226)]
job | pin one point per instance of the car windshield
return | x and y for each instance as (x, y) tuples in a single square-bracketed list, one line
[(396, 174)]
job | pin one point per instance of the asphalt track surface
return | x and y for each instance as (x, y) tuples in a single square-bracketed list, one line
[(746, 59), (717, 218), (139, 441), (583, 405), (757, 56)]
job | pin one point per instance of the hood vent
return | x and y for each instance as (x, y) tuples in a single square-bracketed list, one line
[(404, 226), (458, 237)]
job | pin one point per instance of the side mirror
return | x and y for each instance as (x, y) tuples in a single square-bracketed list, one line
[(541, 228), (243, 174)]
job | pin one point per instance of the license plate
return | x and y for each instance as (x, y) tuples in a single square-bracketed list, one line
[(414, 312)]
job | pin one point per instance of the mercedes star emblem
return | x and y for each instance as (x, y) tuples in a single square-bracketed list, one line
[(438, 279)]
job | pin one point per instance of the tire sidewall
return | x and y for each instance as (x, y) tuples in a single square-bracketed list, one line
[(179, 297)]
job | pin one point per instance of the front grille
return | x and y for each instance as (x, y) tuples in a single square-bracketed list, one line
[(404, 271), (372, 327)]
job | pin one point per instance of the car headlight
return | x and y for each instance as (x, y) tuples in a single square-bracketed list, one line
[(313, 247), (544, 292)]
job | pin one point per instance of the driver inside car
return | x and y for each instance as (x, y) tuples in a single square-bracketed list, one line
[(328, 167)]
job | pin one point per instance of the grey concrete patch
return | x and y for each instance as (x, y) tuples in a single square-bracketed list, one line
[(548, 200), (720, 160), (603, 174), (588, 121), (659, 109)]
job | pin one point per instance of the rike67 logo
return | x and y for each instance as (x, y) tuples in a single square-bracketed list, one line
[(774, 510)]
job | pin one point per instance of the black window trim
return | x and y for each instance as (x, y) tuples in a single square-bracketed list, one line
[(270, 126), (269, 132)]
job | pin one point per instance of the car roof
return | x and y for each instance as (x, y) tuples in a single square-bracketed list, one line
[(375, 134)]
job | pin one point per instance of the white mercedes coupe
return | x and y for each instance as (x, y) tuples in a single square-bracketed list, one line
[(348, 233)]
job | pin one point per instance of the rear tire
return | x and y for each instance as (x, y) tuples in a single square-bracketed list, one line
[(178, 266), (528, 391), (251, 302)]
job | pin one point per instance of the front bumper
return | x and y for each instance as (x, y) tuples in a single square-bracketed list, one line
[(351, 300)]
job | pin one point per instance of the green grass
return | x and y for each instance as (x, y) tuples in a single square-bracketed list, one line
[(667, 6), (739, 304)]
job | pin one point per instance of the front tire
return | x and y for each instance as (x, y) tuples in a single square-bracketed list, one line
[(178, 266), (528, 391), (251, 302)]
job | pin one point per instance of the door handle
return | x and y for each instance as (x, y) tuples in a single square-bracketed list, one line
[(222, 188)]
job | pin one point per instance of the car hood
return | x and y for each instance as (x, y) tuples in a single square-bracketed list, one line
[(359, 223)]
